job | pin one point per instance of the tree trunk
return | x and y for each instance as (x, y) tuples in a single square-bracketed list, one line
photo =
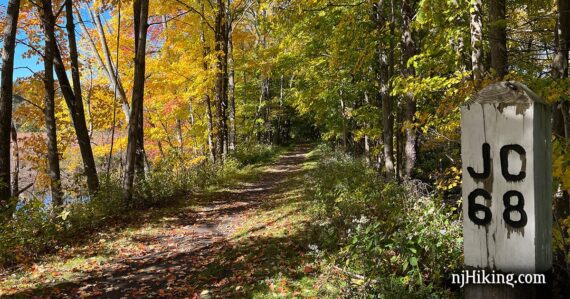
[(179, 136), (16, 158), (256, 116), (78, 114), (231, 78), (387, 120), (561, 109), (366, 137), (113, 70), (343, 118), (141, 162), (48, 21), (192, 131), (93, 47), (560, 67), (210, 127), (140, 8), (6, 89), (207, 101), (476, 26), (278, 127), (383, 77), (231, 92), (88, 103), (225, 103), (400, 143), (251, 134), (265, 102), (221, 83), (111, 74), (498, 37), (408, 51)]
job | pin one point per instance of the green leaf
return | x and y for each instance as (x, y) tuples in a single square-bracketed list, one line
[(414, 261), (64, 215)]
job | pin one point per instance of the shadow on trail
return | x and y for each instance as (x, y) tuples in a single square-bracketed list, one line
[(196, 253)]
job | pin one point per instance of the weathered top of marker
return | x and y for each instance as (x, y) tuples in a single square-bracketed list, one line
[(506, 93)]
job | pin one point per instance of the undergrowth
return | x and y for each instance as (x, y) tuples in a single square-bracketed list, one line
[(383, 238), (37, 228), (252, 153)]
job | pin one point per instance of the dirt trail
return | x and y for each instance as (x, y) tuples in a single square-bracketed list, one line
[(191, 252)]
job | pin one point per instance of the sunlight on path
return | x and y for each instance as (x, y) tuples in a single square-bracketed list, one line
[(204, 249)]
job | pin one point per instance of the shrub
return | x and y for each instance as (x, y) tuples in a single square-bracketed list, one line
[(402, 239), (29, 232), (36, 228), (253, 153)]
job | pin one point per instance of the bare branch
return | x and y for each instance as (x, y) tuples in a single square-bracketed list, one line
[(31, 103), (26, 68), (197, 12), (171, 18), (22, 42)]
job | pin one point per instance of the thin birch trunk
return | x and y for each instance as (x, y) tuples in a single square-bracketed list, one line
[(476, 26), (112, 69), (231, 77)]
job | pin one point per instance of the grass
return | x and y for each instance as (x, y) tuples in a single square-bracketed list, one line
[(284, 225)]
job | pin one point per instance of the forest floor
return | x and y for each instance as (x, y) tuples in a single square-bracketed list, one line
[(246, 239)]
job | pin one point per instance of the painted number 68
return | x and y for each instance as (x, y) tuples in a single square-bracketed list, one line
[(473, 207)]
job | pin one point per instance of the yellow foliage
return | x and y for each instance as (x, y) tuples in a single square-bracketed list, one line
[(561, 163)]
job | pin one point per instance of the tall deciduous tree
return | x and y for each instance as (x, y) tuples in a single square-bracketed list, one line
[(48, 23), (6, 90), (76, 104), (408, 51), (561, 124), (221, 48), (561, 109), (140, 9), (383, 77), (206, 96), (138, 83)]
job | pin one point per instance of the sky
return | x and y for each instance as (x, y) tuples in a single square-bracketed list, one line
[(19, 61), (22, 64)]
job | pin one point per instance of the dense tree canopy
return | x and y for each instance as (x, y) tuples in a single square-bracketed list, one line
[(383, 78), (124, 89)]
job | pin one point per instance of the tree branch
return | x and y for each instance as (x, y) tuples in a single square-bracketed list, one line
[(197, 12), (22, 42), (170, 19)]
